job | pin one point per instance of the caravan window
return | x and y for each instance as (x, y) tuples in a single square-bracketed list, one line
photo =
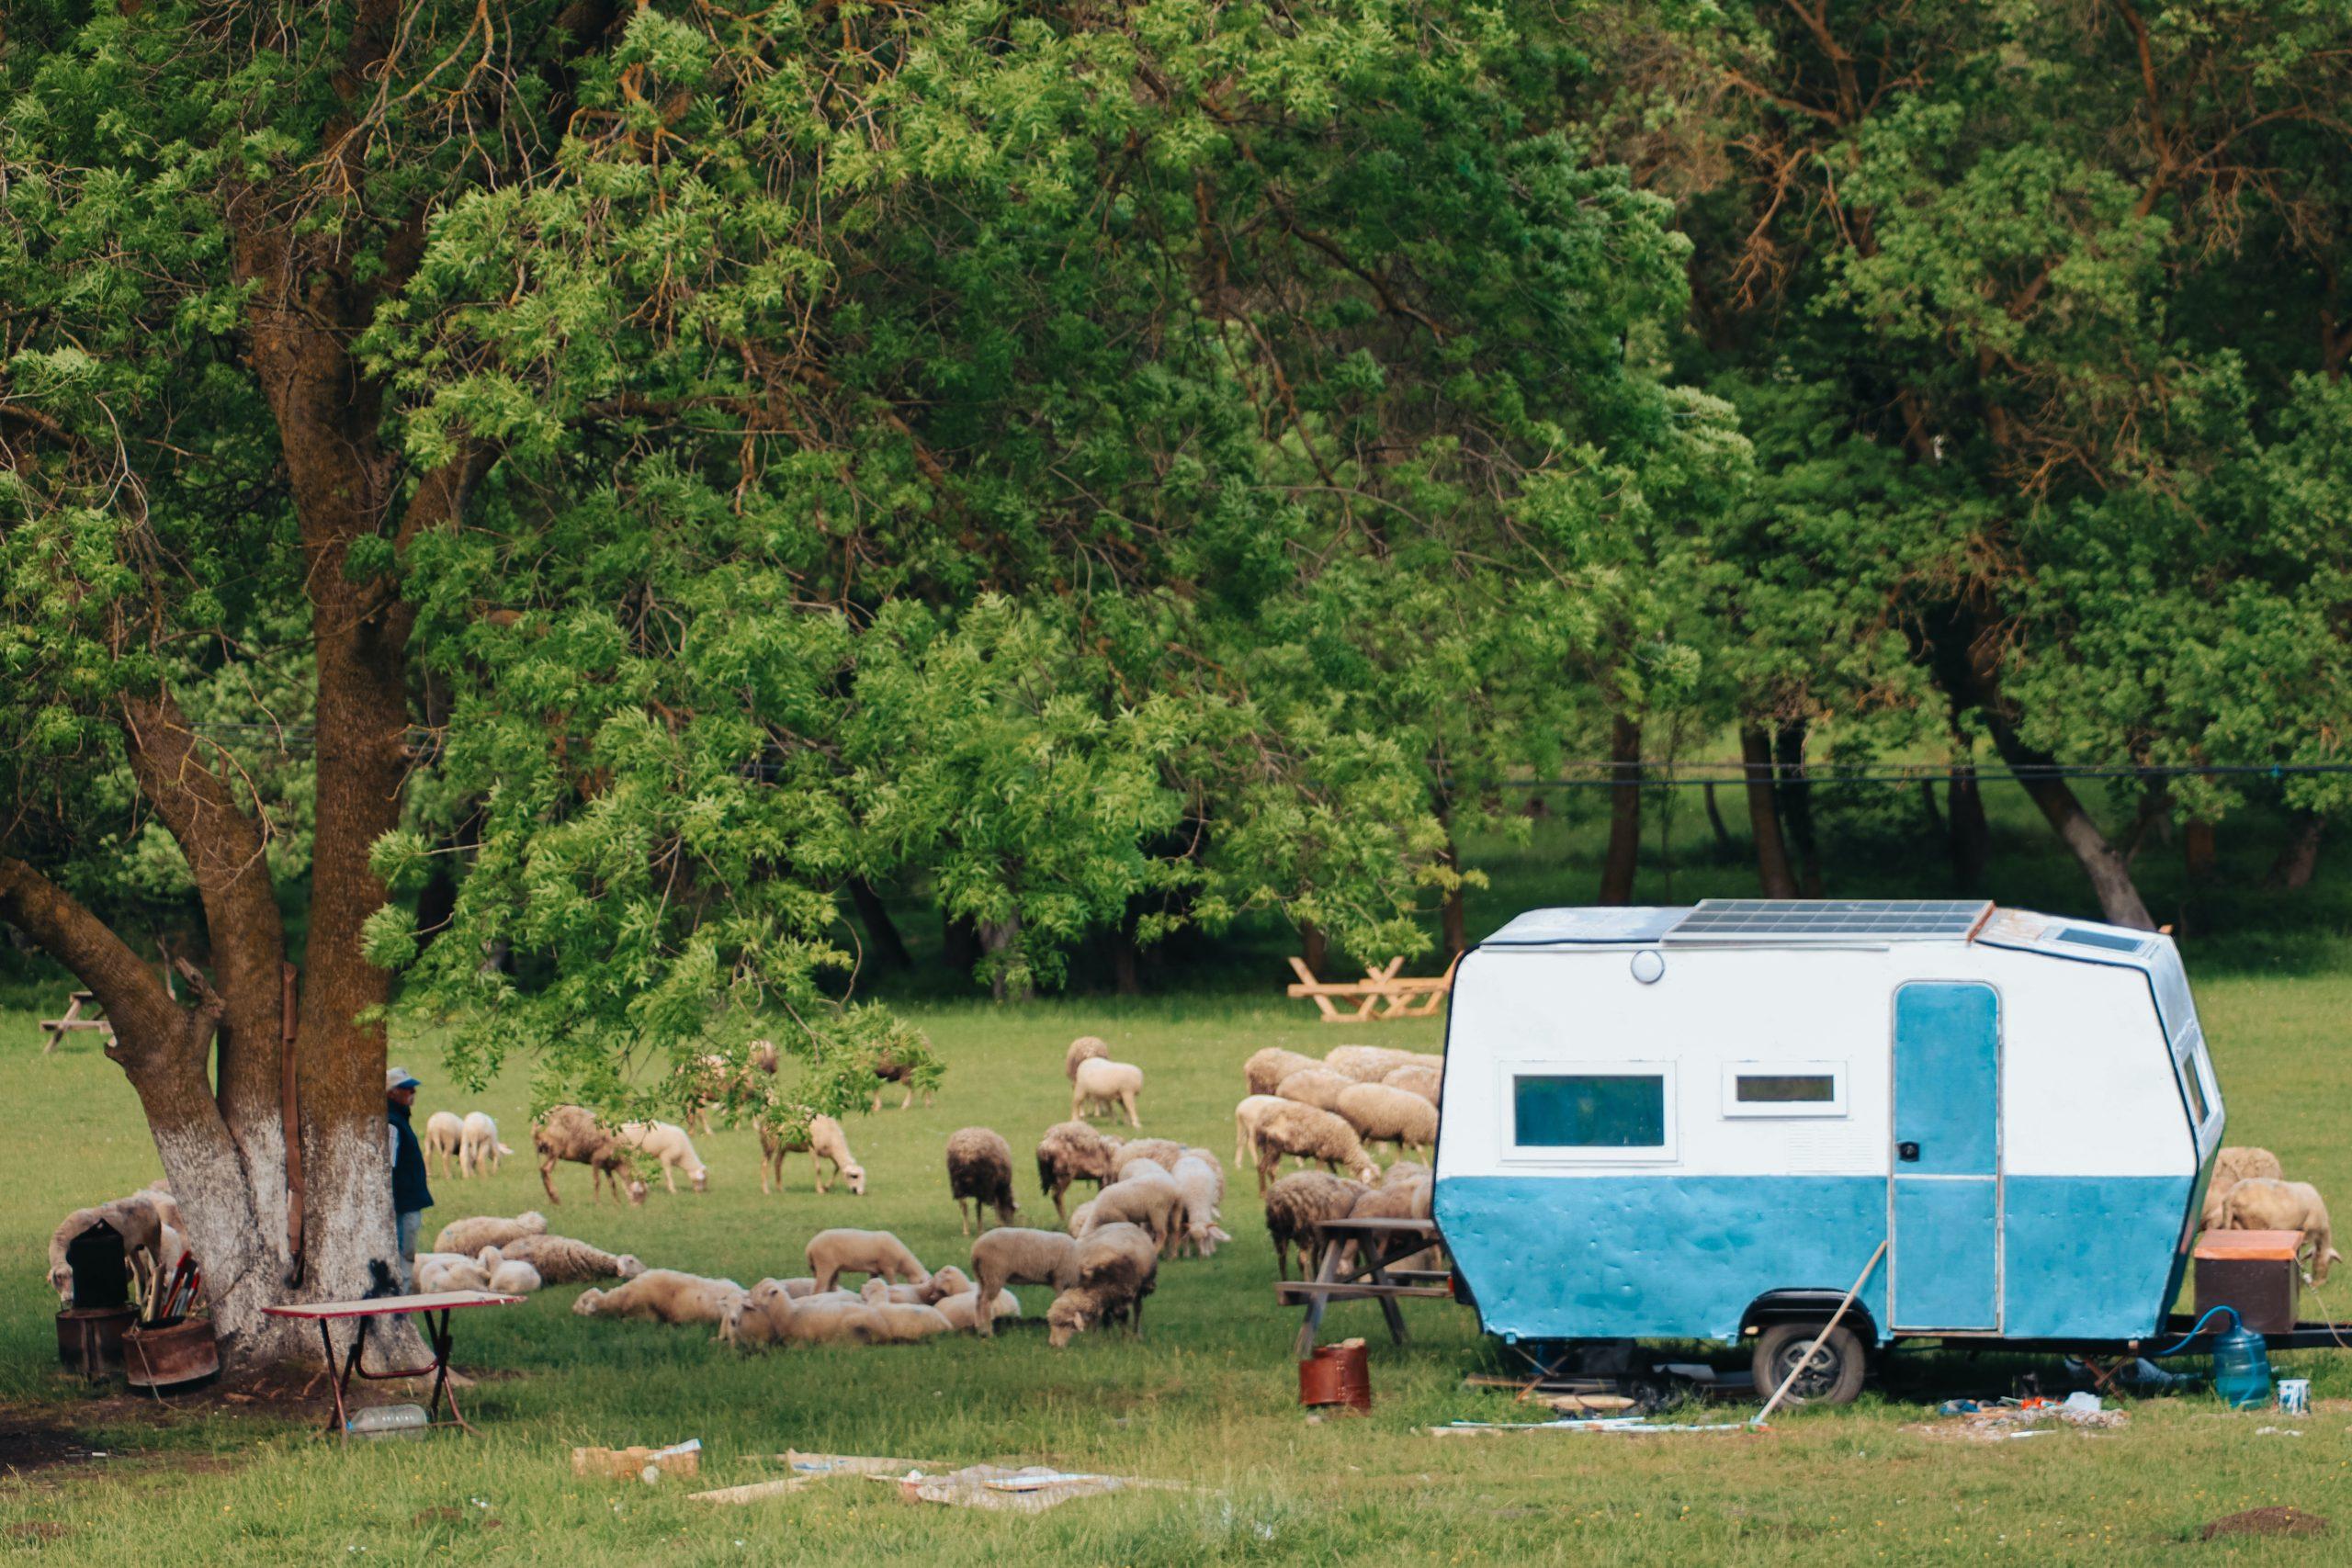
[(1621, 1109), (1784, 1088)]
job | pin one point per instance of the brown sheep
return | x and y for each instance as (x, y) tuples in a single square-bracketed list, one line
[(1423, 1081), (1161, 1151), (1085, 1048), (979, 1172), (1318, 1086), (1384, 1115), (1266, 1069), (572, 1133), (1296, 1204), (1110, 1273), (1072, 1151), (1301, 1131), (560, 1260)]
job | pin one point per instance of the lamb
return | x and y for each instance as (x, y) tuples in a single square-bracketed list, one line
[(445, 1134), (768, 1312), (1296, 1204), (1085, 1048), (1011, 1255), (1423, 1081), (1072, 1151), (1109, 1274), (469, 1236), (572, 1133), (1318, 1086), (1161, 1151), (818, 1137), (2231, 1166), (513, 1276), (1251, 1110), (667, 1142), (979, 1174), (963, 1313), (560, 1260), (1155, 1206), (833, 1253), (1202, 1185), (665, 1295), (1102, 1082), (1301, 1131), (434, 1274), (1369, 1063), (478, 1144), (1267, 1068), (903, 1323), (2263, 1203), (140, 1221), (1384, 1115)]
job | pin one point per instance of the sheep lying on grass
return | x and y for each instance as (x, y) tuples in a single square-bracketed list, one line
[(1085, 1048), (833, 1253), (963, 1310), (477, 1146), (437, 1272), (571, 1132), (445, 1135), (768, 1315), (1072, 1151), (903, 1323), (1301, 1131), (818, 1137), (664, 1295), (560, 1260), (1100, 1082), (1011, 1255), (1110, 1273), (668, 1143), (469, 1236), (513, 1276), (2261, 1203), (1381, 1114), (1318, 1086), (1296, 1204), (979, 1173), (2231, 1166), (1265, 1070)]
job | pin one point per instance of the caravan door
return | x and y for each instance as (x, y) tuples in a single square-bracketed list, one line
[(1944, 1202)]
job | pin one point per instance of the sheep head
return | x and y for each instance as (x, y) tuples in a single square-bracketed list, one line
[(585, 1306), (855, 1175), (701, 1178), (60, 1279), (637, 1194), (627, 1267), (1072, 1313)]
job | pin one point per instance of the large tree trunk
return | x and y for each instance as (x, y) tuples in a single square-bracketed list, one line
[(2296, 862), (1970, 834), (1313, 947), (883, 943), (1624, 811), (2110, 878), (1796, 792), (998, 939), (1764, 815)]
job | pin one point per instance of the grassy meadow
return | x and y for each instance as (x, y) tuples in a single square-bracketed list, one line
[(1208, 1400)]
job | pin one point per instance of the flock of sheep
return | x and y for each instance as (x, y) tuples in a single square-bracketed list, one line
[(2249, 1192)]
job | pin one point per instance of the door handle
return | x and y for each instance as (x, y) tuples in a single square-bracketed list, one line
[(1907, 1153)]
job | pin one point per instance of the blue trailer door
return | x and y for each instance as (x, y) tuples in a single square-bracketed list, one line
[(1946, 1202)]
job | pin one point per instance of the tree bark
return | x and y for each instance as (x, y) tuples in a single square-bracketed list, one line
[(883, 943), (1313, 947), (1796, 792), (1624, 811), (1715, 821), (2197, 848), (1764, 815), (999, 938), (2296, 862), (1933, 817), (2110, 878), (1970, 835)]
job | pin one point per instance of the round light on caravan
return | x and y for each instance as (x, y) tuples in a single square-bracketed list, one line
[(1649, 966)]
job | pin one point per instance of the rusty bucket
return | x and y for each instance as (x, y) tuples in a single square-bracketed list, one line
[(167, 1354), (89, 1339), (1337, 1375)]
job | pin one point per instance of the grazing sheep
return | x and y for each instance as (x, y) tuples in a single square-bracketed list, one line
[(980, 1175), (1318, 1086), (1267, 1068), (1072, 1151), (769, 1313), (715, 1081), (908, 1062), (1398, 1200), (818, 1137), (1369, 1063), (572, 1133), (168, 1208), (665, 1295), (2261, 1203), (2231, 1166), (139, 1219), (1423, 1081), (1011, 1255), (834, 1253), (1384, 1115), (469, 1236), (1251, 1110), (560, 1260), (1296, 1204), (513, 1276), (1082, 1217), (963, 1310), (1301, 1131), (903, 1323), (667, 1142), (1156, 1206), (445, 1134), (478, 1144), (1108, 1276), (1085, 1048), (1404, 1170), (1161, 1151), (1203, 1186), (1102, 1082)]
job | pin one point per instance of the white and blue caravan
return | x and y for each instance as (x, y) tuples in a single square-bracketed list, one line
[(1700, 1123)]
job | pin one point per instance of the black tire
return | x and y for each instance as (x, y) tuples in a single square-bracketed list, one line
[(1836, 1373)]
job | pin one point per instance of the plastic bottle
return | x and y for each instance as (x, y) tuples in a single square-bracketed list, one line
[(2242, 1367), (408, 1421)]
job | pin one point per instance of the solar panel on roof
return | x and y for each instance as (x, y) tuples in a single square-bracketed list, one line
[(1772, 921)]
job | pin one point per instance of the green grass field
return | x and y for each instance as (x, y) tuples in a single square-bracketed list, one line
[(1208, 1400)]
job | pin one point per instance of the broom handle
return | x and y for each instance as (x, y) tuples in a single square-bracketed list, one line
[(1807, 1360)]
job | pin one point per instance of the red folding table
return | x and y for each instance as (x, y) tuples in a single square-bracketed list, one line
[(437, 1328)]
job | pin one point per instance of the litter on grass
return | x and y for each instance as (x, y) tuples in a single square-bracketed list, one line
[(2014, 1418), (1639, 1424), (1030, 1490)]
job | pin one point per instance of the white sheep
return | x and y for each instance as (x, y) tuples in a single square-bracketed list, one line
[(1012, 1256), (1155, 1205), (1266, 1069), (478, 1144), (1203, 1186), (668, 1143), (139, 1219), (1369, 1063), (2231, 1166), (822, 1140), (963, 1310), (1423, 1081), (445, 1134), (1102, 1082), (665, 1295), (1381, 1114), (470, 1236), (1301, 1131), (1085, 1048), (1161, 1151), (833, 1253), (513, 1276), (435, 1273), (903, 1323), (1251, 1110), (561, 1260), (769, 1313), (1318, 1086), (2260, 1203)]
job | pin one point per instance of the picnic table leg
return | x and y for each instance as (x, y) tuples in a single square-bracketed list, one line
[(1380, 1258), (343, 1381), (442, 1336), (1325, 1272)]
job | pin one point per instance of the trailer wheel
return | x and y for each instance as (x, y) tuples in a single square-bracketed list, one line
[(1835, 1376)]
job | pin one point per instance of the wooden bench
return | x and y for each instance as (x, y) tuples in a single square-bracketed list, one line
[(1381, 995), (1381, 1246), (58, 1028)]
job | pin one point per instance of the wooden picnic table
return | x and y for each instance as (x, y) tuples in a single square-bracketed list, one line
[(1379, 996), (1381, 1246), (58, 1028), (436, 1331)]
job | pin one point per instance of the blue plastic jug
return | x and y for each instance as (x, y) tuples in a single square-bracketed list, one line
[(2242, 1367)]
